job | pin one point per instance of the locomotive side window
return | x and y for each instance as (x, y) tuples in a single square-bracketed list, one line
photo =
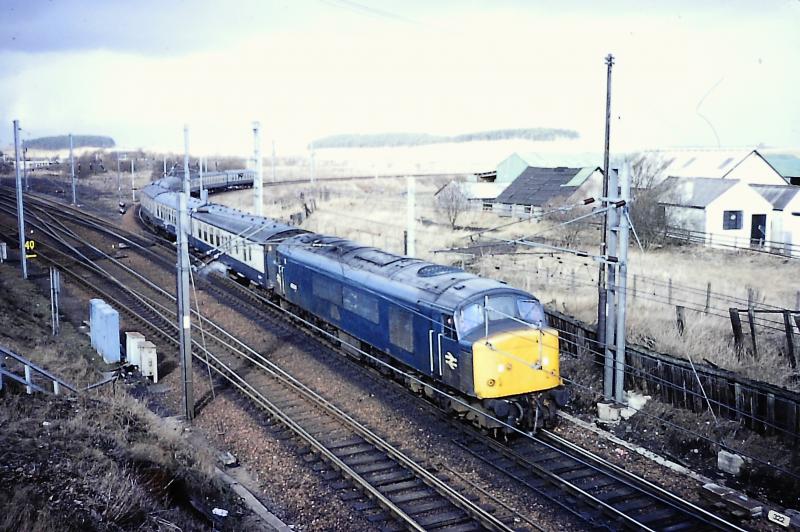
[(401, 333), (326, 289), (362, 304), (449, 326)]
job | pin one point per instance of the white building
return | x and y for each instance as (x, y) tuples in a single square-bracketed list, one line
[(717, 212), (747, 166), (785, 217)]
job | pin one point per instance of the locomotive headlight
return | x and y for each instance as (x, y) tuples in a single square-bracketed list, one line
[(501, 368), (545, 361)]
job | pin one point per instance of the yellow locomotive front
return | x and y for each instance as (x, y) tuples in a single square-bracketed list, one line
[(515, 358)]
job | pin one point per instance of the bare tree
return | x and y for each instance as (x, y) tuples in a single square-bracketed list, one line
[(647, 212), (452, 202)]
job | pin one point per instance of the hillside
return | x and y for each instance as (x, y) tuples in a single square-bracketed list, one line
[(379, 140), (61, 142)]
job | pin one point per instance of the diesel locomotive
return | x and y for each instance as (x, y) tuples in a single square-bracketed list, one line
[(484, 343)]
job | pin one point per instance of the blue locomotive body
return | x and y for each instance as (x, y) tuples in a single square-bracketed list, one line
[(475, 336)]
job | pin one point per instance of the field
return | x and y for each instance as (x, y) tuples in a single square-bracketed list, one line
[(373, 212)]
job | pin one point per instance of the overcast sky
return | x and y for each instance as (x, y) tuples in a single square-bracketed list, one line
[(687, 73)]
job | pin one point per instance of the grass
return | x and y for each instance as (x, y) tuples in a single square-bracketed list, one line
[(100, 460), (373, 212)]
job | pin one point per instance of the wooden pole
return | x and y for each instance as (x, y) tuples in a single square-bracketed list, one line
[(669, 292), (751, 319), (708, 296), (787, 323), (680, 315), (736, 326)]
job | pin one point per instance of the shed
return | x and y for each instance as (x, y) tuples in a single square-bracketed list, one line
[(719, 212), (536, 187), (512, 166), (785, 220)]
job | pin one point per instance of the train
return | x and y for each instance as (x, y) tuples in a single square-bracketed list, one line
[(485, 344)]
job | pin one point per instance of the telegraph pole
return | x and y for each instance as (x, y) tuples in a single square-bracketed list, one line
[(23, 260), (601, 274), (200, 175), (184, 319), (72, 170), (258, 181)]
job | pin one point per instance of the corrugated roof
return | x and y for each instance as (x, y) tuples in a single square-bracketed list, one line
[(695, 191), (698, 162), (779, 196), (551, 160), (538, 186), (786, 164)]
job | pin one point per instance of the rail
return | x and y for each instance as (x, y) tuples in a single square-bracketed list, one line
[(31, 369)]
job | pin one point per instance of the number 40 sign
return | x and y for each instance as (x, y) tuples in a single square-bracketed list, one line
[(30, 247)]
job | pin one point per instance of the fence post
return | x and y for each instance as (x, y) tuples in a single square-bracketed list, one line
[(28, 388), (56, 388), (736, 325), (751, 319), (797, 301), (634, 285), (708, 296), (680, 316), (787, 323), (669, 292)]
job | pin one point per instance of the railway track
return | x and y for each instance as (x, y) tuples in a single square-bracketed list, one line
[(587, 486), (394, 490)]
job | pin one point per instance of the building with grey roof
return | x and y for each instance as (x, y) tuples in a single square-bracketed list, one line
[(538, 187)]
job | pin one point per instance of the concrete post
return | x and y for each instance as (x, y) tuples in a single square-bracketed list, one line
[(622, 280), (184, 308), (23, 260), (611, 289), (258, 179), (133, 182), (410, 223), (273, 160), (72, 170)]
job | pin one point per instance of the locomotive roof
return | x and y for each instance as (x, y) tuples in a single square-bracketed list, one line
[(404, 277)]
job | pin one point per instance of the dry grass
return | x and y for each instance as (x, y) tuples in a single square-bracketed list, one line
[(373, 212), (97, 461)]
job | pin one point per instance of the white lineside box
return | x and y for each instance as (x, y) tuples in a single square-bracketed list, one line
[(148, 360), (133, 341)]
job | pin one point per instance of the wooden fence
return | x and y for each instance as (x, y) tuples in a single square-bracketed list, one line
[(760, 406)]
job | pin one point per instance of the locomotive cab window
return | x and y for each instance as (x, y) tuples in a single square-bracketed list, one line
[(504, 313)]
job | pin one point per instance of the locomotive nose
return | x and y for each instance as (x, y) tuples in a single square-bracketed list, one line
[(515, 362)]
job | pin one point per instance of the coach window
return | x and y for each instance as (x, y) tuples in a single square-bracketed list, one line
[(401, 331), (362, 304), (732, 220)]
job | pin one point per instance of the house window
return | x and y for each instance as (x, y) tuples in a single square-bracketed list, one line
[(487, 207), (401, 333), (527, 209), (362, 304), (732, 220)]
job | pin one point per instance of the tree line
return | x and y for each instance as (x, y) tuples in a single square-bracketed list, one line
[(378, 140), (61, 142)]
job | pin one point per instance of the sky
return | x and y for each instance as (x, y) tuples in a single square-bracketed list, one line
[(686, 73)]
